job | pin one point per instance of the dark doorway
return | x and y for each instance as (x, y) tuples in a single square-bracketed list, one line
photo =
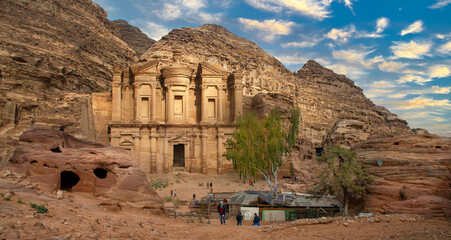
[(179, 155), (68, 180), (319, 151)]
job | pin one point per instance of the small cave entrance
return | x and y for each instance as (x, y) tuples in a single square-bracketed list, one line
[(101, 173), (68, 180), (56, 150), (319, 151)]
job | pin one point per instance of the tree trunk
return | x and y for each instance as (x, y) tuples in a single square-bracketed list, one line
[(345, 202)]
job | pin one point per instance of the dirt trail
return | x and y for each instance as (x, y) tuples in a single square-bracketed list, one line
[(79, 216)]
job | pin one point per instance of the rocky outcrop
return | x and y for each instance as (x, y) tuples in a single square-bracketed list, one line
[(133, 36), (262, 73), (58, 161), (336, 112), (411, 173), (53, 54)]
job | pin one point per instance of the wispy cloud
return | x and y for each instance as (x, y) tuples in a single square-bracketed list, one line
[(412, 49), (268, 29), (381, 24), (357, 57), (390, 66), (349, 71), (445, 48), (414, 78), (440, 4), (295, 58), (415, 27), (440, 71), (154, 30), (317, 9), (422, 102), (341, 35), (305, 43)]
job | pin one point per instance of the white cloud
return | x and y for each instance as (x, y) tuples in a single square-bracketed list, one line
[(351, 72), (422, 102), (382, 84), (154, 30), (302, 44), (268, 29), (210, 18), (439, 71), (317, 9), (194, 4), (381, 24), (389, 66), (445, 48), (169, 12), (413, 50), (341, 35), (440, 90), (295, 58), (414, 78), (440, 4), (415, 27)]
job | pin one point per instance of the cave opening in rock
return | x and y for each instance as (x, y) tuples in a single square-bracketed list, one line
[(319, 151), (100, 173), (56, 150), (68, 180)]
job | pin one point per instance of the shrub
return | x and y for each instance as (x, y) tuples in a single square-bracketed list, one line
[(158, 183), (39, 209)]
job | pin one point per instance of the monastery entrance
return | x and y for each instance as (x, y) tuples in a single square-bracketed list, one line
[(179, 155)]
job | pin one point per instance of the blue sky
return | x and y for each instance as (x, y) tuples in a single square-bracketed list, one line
[(397, 51)]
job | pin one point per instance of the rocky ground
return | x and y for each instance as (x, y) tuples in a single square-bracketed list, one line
[(81, 216)]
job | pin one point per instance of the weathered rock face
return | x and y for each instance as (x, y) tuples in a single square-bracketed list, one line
[(59, 161), (412, 174), (133, 36), (214, 44), (54, 53), (335, 111)]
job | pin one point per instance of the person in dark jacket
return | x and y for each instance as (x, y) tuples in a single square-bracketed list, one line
[(239, 219), (256, 220), (222, 211)]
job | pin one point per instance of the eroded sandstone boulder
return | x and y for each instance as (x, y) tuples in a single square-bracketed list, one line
[(411, 173), (59, 161)]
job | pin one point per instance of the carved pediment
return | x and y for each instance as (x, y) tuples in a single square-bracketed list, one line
[(208, 69), (126, 142), (179, 139), (147, 68)]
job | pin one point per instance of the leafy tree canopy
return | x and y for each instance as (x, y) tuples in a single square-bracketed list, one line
[(257, 146), (343, 176)]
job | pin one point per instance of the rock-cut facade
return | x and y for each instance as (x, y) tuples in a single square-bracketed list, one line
[(174, 118)]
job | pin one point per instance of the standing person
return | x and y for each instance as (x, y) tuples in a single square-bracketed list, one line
[(172, 192), (211, 189), (256, 220), (239, 219), (175, 193), (221, 211), (194, 197), (208, 185)]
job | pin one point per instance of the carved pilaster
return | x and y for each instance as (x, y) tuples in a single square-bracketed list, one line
[(220, 137)]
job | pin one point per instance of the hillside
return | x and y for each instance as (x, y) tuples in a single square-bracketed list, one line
[(133, 36), (53, 55)]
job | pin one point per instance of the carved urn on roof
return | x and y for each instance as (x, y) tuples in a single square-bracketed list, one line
[(177, 73)]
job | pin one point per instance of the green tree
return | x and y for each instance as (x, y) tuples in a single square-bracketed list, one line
[(257, 146), (343, 176)]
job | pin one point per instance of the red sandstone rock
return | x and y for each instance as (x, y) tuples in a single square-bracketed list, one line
[(57, 160)]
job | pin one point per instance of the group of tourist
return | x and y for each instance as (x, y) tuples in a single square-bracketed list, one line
[(239, 216)]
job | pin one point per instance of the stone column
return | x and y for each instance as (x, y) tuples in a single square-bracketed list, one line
[(186, 103), (237, 101), (220, 104), (165, 153), (153, 110), (220, 146), (153, 150), (203, 108), (192, 166), (137, 102), (137, 141), (116, 108), (170, 105), (204, 151), (144, 160)]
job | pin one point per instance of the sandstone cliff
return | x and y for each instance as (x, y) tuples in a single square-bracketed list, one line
[(412, 174), (335, 111), (133, 36), (53, 54)]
